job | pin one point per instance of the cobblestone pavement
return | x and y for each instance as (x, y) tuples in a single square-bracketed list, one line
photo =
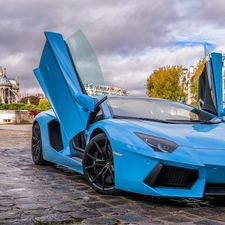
[(31, 194)]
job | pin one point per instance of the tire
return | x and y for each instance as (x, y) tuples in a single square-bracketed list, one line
[(98, 165), (36, 146)]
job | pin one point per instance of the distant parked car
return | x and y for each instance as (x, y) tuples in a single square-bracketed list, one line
[(33, 112)]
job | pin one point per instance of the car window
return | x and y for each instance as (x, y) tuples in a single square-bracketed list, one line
[(84, 59)]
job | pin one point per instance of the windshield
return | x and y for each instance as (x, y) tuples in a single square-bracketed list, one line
[(158, 109), (85, 63)]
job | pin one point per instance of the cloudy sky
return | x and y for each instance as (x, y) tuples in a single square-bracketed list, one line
[(131, 38)]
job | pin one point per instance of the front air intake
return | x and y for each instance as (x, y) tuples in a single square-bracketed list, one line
[(170, 176)]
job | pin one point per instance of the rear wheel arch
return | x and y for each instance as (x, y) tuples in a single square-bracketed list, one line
[(36, 145)]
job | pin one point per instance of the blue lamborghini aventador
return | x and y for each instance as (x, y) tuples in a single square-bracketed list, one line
[(145, 145)]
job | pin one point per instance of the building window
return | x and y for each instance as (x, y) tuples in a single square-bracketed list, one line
[(7, 121)]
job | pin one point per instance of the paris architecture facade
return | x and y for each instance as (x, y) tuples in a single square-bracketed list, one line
[(9, 88), (97, 89), (186, 81)]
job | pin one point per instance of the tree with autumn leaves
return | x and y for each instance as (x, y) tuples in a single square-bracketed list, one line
[(44, 104), (167, 82), (194, 81)]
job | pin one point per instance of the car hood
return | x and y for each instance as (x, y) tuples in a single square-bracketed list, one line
[(202, 136)]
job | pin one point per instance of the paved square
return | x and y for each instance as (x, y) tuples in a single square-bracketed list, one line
[(31, 194)]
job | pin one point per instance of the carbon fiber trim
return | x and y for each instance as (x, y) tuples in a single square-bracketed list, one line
[(169, 176), (55, 137)]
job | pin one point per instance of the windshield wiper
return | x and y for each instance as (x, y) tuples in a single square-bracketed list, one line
[(195, 121), (141, 118), (155, 120)]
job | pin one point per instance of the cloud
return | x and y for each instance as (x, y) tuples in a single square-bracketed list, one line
[(131, 72), (130, 39)]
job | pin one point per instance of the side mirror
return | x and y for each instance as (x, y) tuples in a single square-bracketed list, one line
[(86, 101)]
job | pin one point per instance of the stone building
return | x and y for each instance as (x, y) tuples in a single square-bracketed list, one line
[(15, 116), (186, 83), (97, 89), (9, 88)]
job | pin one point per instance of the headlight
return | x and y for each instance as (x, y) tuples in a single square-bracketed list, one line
[(158, 144)]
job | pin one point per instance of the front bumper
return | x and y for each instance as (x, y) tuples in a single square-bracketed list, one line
[(171, 176)]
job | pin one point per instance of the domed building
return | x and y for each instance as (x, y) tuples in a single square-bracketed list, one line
[(9, 88)]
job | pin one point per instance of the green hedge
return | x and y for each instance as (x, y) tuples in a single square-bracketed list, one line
[(18, 106)]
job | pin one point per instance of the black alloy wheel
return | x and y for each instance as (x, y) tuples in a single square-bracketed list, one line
[(98, 165), (36, 146)]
